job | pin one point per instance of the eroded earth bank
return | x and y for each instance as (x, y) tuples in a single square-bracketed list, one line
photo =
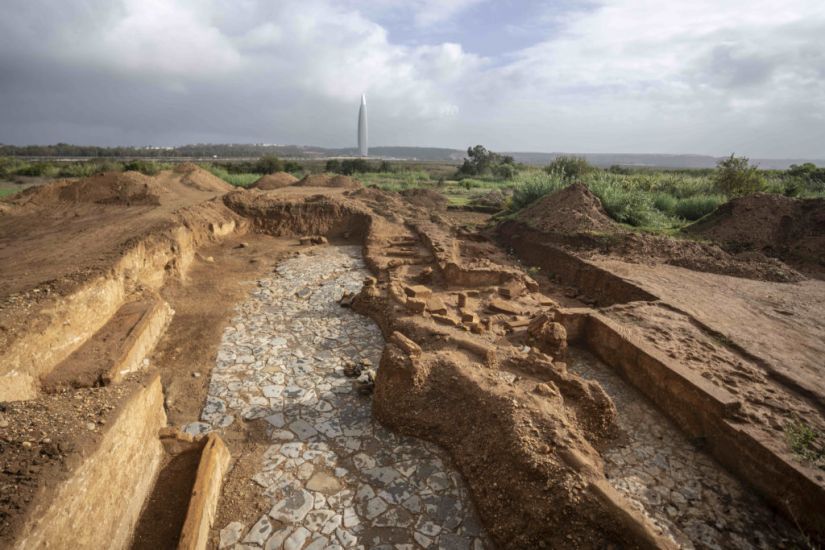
[(314, 364)]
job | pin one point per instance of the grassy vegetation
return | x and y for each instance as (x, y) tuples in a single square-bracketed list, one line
[(239, 180), (653, 200), (806, 442)]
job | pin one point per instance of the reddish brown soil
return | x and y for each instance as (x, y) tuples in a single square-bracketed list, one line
[(574, 209), (784, 227), (523, 430), (574, 219), (162, 519), (274, 181), (425, 198)]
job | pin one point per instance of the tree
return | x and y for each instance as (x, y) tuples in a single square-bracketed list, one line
[(480, 161), (569, 167), (269, 164), (736, 176)]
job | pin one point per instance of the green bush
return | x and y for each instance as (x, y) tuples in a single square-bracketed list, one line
[(148, 167), (569, 167), (534, 187), (665, 202), (736, 176), (697, 206)]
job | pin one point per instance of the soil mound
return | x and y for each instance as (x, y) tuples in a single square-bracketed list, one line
[(126, 188), (494, 201), (574, 209), (425, 198), (274, 181), (198, 178), (328, 180), (776, 225)]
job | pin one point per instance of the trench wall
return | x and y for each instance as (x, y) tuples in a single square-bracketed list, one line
[(99, 505), (603, 286), (706, 413)]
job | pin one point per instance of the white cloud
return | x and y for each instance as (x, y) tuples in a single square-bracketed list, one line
[(615, 75)]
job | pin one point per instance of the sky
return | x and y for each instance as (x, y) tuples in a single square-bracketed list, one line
[(599, 76)]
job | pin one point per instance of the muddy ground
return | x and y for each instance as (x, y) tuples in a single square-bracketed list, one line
[(476, 320)]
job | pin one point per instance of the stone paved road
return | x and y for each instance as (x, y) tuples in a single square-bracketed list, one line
[(334, 476), (680, 488)]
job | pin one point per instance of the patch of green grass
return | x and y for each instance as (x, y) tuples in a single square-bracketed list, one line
[(238, 180), (806, 442), (697, 206), (7, 192)]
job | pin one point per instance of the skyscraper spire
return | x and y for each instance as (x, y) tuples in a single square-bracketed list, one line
[(362, 127)]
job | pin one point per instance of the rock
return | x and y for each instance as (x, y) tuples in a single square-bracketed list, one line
[(231, 534), (446, 320), (436, 305), (511, 289), (293, 508), (409, 347), (548, 335), (502, 306), (418, 291), (462, 299), (416, 306), (351, 370), (243, 245), (259, 532)]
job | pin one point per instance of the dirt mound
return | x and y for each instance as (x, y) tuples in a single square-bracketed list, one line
[(203, 180), (329, 180), (574, 209), (489, 202), (274, 181), (126, 188), (785, 227), (425, 198)]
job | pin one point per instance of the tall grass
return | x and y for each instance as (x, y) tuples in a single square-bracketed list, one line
[(238, 180)]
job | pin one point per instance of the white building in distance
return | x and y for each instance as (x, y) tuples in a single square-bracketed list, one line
[(362, 127)]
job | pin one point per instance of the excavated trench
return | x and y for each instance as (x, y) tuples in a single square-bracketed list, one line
[(331, 476), (334, 477), (683, 492)]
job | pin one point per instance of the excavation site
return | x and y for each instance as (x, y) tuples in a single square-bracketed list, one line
[(314, 364)]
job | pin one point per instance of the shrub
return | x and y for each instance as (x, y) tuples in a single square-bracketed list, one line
[(148, 167), (533, 188), (736, 176), (569, 167), (697, 206), (269, 164), (665, 202)]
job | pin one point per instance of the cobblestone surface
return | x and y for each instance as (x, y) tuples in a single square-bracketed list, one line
[(335, 477), (680, 488)]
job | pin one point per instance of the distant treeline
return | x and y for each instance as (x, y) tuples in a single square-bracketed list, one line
[(191, 151)]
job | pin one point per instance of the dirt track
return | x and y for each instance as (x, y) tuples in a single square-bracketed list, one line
[(474, 361)]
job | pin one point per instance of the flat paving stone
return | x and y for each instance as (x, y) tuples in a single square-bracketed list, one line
[(335, 478), (684, 493)]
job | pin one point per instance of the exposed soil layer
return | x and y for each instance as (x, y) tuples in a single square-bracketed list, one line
[(42, 441), (274, 181), (784, 227), (573, 218), (425, 198)]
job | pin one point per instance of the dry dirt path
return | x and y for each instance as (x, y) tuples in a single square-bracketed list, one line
[(689, 497), (335, 478)]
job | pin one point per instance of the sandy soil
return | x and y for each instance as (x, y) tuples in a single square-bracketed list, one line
[(780, 323)]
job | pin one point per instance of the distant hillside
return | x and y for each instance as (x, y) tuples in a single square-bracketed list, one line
[(428, 154)]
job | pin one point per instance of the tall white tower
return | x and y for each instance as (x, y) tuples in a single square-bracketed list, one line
[(362, 127)]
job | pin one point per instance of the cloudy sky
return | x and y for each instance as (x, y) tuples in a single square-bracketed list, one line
[(673, 76)]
